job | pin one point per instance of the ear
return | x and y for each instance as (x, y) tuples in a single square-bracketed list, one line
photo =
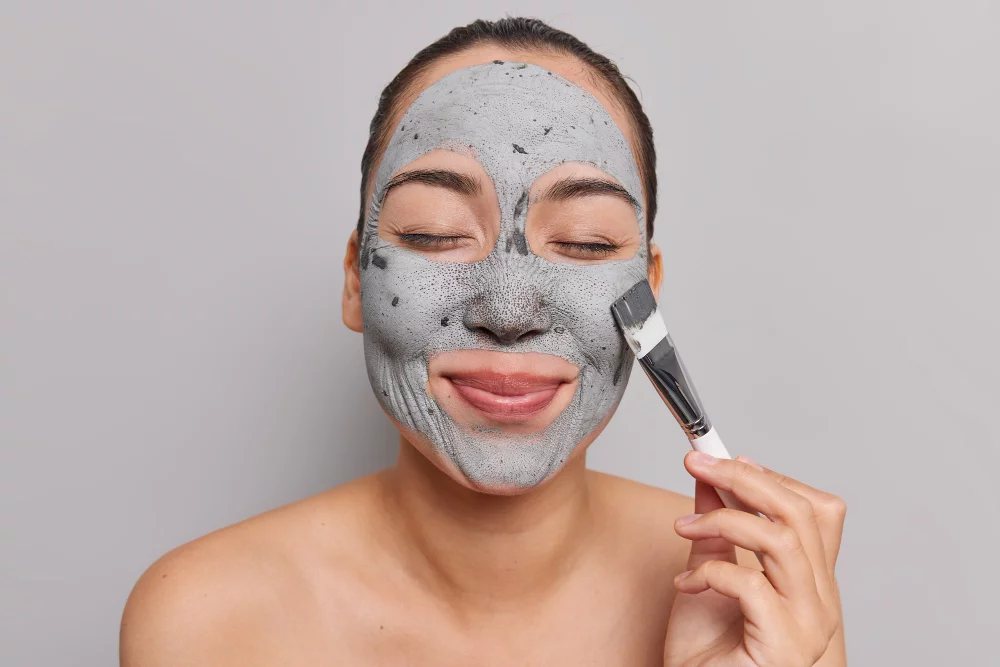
[(351, 300), (654, 270)]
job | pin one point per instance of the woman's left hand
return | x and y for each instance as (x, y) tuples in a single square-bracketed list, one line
[(727, 614)]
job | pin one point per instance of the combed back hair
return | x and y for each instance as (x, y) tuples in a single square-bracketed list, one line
[(523, 35)]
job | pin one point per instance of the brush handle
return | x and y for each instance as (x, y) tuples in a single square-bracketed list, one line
[(711, 443)]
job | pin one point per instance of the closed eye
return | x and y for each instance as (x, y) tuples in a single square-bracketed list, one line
[(588, 249), (430, 240)]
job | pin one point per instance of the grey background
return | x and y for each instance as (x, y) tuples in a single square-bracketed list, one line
[(177, 183)]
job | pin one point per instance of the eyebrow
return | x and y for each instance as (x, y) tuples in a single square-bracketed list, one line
[(463, 184), (572, 188)]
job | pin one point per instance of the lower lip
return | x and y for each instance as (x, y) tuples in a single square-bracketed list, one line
[(507, 408)]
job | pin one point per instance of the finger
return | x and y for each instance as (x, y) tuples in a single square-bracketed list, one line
[(758, 600), (762, 491), (707, 500), (785, 562), (830, 510)]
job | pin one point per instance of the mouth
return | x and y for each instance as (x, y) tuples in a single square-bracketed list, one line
[(506, 396), (521, 390)]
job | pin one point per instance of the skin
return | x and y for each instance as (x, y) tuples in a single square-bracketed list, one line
[(416, 565)]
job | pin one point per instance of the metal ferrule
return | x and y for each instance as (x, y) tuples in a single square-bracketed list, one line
[(664, 367)]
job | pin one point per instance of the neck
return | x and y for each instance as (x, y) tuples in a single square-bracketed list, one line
[(482, 551)]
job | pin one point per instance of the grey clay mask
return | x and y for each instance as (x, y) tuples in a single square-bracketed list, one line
[(519, 121)]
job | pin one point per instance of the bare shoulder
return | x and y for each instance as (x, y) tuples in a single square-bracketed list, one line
[(643, 517), (223, 598), (640, 500), (646, 515)]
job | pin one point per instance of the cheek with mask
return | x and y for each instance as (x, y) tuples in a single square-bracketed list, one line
[(518, 121)]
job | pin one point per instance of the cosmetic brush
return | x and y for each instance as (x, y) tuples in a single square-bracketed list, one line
[(646, 334)]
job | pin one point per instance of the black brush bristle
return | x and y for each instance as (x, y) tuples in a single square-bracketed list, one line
[(635, 306)]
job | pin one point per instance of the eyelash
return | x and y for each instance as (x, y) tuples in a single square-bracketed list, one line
[(429, 240), (595, 249)]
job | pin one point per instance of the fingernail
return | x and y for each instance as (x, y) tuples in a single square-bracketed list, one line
[(703, 459), (682, 575), (687, 518), (750, 462)]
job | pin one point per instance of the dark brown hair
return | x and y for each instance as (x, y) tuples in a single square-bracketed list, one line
[(519, 34)]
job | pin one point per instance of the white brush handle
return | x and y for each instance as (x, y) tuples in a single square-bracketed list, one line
[(711, 443)]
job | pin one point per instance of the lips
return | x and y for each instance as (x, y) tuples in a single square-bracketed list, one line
[(506, 396)]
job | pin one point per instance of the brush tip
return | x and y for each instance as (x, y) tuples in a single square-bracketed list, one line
[(639, 319), (635, 306)]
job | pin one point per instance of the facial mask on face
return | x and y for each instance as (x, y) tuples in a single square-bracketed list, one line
[(519, 121)]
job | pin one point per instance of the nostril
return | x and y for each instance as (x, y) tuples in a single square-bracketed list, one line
[(517, 335), (505, 334), (507, 318), (528, 335)]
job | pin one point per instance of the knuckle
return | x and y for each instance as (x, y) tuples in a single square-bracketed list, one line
[(743, 471), (743, 478), (788, 540), (726, 514), (715, 572), (745, 468), (757, 581), (803, 509), (834, 507)]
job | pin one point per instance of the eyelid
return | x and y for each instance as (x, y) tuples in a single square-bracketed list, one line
[(405, 227), (594, 240), (430, 240), (596, 249)]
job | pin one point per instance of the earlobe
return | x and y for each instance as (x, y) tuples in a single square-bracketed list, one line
[(655, 268), (351, 300)]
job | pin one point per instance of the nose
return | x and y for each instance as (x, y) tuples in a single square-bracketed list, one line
[(508, 314)]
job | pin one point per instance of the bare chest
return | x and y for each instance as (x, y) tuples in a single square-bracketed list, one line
[(637, 642), (606, 628)]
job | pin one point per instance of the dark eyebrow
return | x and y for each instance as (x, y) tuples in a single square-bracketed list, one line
[(442, 178), (571, 188)]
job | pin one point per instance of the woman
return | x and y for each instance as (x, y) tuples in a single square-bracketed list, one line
[(508, 195)]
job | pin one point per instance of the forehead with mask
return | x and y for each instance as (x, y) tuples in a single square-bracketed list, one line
[(519, 122)]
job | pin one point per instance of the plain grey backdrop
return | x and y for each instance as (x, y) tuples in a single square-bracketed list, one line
[(178, 181)]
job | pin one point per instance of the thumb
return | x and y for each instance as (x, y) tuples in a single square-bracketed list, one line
[(714, 548)]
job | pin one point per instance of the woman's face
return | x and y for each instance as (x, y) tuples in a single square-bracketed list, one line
[(505, 219)]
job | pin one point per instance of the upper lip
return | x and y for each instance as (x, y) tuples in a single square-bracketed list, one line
[(506, 384)]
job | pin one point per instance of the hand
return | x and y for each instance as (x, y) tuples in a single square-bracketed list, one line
[(726, 614)]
